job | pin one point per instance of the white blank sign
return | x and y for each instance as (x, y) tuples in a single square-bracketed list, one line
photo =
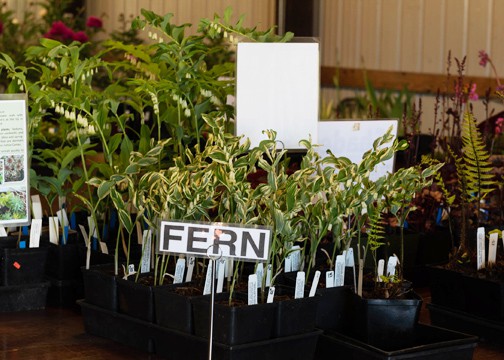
[(352, 138), (278, 88)]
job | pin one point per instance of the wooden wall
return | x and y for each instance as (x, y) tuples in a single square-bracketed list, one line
[(402, 36)]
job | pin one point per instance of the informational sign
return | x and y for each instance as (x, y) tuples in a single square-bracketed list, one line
[(277, 88), (215, 239), (14, 182), (352, 138)]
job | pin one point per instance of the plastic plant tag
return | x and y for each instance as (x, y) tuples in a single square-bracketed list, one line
[(259, 272), (36, 206), (53, 229), (329, 279), (252, 289), (381, 269), (190, 268), (221, 268), (35, 231), (295, 256), (268, 275), (349, 258), (208, 280), (300, 285), (391, 266), (339, 273), (179, 271), (229, 268), (492, 248), (147, 252), (288, 264), (103, 247), (271, 295), (22, 244), (314, 284), (62, 217), (480, 248), (3, 232)]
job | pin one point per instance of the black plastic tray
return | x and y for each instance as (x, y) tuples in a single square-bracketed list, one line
[(426, 343)]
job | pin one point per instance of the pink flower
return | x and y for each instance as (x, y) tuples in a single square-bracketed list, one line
[(472, 93), (484, 58), (80, 36), (94, 22), (499, 123)]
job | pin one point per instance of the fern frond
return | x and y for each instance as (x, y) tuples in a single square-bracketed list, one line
[(376, 230), (477, 166)]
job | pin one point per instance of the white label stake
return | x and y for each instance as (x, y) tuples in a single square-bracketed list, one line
[(259, 272), (208, 279), (35, 231), (220, 274), (492, 248), (147, 249), (339, 274), (53, 229), (300, 284), (314, 284), (190, 268), (329, 279), (381, 269), (391, 266), (271, 295), (480, 245), (179, 271), (252, 289)]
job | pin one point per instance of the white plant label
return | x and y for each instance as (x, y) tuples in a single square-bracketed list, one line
[(271, 295), (3, 232), (329, 279), (147, 251), (287, 264), (36, 207), (252, 289), (53, 230), (179, 271), (295, 256), (221, 269), (381, 269), (391, 266), (480, 248), (35, 231), (268, 275), (300, 285), (229, 268), (314, 284), (339, 273), (259, 272), (349, 258), (103, 247), (190, 268), (492, 248), (62, 217), (208, 280)]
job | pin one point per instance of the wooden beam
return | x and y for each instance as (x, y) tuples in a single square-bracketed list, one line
[(400, 80)]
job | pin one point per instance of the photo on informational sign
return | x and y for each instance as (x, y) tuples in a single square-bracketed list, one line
[(14, 182)]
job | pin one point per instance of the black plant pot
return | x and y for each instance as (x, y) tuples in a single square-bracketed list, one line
[(294, 316), (446, 287), (173, 306), (334, 311), (484, 297), (425, 342), (234, 325), (100, 286), (136, 299), (23, 266), (23, 297), (383, 322)]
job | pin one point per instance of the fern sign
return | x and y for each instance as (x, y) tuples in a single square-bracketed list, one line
[(14, 184), (215, 239)]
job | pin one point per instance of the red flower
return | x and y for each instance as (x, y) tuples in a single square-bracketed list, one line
[(80, 36), (484, 58), (59, 31), (94, 22)]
